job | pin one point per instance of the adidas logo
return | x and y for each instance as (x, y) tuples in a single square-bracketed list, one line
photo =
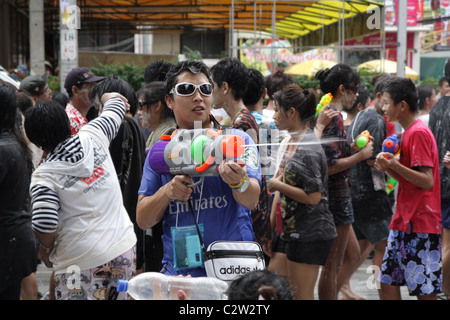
[(235, 270)]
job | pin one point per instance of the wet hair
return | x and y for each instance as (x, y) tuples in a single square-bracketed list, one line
[(447, 70), (424, 91), (233, 72), (11, 120), (331, 79), (402, 89), (255, 87), (156, 71), (292, 96), (119, 85), (194, 67), (154, 92), (277, 81), (47, 125), (442, 81), (265, 283), (8, 107), (61, 97), (379, 81), (363, 95)]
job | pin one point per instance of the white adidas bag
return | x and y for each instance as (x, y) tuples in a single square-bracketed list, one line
[(227, 260)]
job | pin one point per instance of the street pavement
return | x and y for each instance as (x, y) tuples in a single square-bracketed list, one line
[(361, 283)]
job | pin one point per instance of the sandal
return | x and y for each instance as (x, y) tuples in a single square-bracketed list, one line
[(443, 296)]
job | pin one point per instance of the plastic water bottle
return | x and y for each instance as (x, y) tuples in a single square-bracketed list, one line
[(157, 286)]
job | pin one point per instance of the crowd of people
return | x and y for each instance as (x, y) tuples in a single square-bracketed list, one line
[(80, 195)]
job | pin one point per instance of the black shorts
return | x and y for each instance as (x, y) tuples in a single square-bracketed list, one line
[(312, 252), (445, 205), (373, 231), (372, 214)]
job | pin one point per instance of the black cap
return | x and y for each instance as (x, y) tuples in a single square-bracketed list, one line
[(34, 84), (78, 76)]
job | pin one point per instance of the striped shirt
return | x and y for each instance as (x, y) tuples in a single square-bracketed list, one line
[(45, 202)]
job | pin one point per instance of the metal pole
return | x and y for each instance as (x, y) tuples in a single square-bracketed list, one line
[(343, 32), (69, 23), (272, 50), (37, 41), (401, 37)]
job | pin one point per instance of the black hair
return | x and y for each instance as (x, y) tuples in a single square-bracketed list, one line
[(69, 89), (255, 87), (363, 95), (402, 89), (277, 81), (119, 85), (442, 81), (156, 71), (292, 96), (331, 79), (233, 72), (8, 107), (47, 125), (447, 70), (61, 97), (265, 283), (379, 81), (424, 91), (154, 92), (194, 67), (24, 100), (11, 120)]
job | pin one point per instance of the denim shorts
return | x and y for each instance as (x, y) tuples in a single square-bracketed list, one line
[(311, 252), (342, 210), (414, 260)]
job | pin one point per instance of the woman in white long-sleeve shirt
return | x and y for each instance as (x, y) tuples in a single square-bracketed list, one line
[(78, 216)]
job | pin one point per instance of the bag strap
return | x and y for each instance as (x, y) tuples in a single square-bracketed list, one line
[(196, 225)]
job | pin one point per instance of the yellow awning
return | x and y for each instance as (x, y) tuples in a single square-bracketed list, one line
[(292, 19)]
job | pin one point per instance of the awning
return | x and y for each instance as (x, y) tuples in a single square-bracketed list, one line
[(289, 19)]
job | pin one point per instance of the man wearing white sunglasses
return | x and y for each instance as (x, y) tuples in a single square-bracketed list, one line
[(223, 211)]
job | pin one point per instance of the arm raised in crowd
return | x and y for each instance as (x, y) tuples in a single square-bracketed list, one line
[(114, 107)]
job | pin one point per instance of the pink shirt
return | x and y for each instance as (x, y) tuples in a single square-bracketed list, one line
[(77, 120), (415, 206)]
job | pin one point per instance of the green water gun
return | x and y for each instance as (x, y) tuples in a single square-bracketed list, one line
[(363, 139), (390, 185)]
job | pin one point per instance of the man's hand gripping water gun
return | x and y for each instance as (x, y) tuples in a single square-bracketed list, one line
[(200, 153), (389, 150)]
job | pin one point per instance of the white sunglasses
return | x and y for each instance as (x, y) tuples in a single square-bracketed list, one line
[(186, 89)]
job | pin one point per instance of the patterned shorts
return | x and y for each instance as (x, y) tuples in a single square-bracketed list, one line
[(414, 260), (97, 283)]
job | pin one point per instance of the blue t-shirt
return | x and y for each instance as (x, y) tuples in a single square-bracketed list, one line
[(221, 217)]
